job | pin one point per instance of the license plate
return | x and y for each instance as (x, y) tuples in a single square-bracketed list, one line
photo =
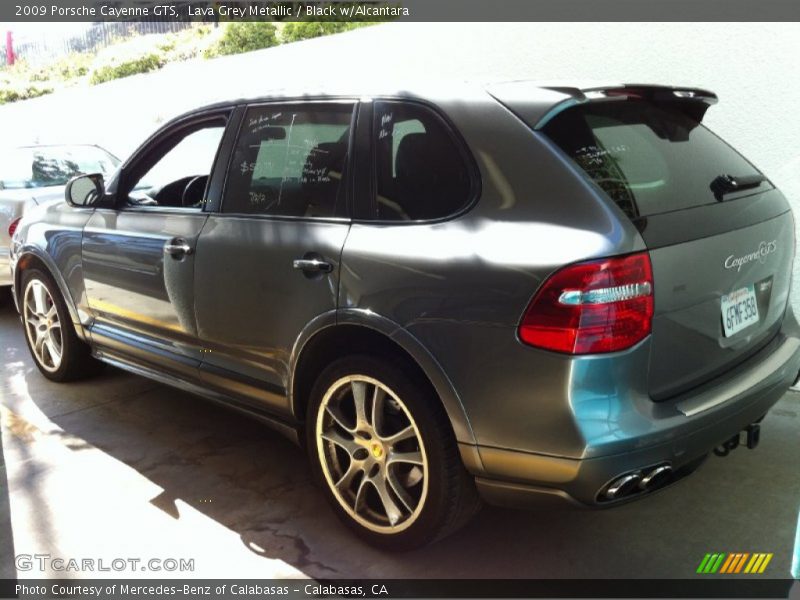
[(739, 310)]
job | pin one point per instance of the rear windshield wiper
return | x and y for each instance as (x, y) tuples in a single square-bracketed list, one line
[(728, 184)]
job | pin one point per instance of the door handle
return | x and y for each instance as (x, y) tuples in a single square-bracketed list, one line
[(312, 265), (177, 247)]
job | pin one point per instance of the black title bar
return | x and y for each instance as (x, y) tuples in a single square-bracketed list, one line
[(299, 589), (408, 10)]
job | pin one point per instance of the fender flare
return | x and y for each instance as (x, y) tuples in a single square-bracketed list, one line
[(55, 273), (450, 399)]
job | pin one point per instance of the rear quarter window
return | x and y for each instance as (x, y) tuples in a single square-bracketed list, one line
[(420, 169), (648, 158)]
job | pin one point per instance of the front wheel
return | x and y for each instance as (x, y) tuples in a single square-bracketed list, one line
[(385, 453), (58, 352)]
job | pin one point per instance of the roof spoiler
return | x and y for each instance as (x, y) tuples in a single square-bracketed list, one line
[(694, 102)]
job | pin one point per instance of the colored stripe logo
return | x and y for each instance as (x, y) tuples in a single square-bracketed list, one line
[(734, 563)]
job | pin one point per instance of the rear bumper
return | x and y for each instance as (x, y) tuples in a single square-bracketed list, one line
[(686, 429)]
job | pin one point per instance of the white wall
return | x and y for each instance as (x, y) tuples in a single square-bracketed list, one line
[(753, 67)]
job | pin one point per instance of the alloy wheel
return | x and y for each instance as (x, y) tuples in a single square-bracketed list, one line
[(372, 455), (42, 326)]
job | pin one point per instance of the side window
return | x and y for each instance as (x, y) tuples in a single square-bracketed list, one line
[(420, 172), (177, 173), (290, 160)]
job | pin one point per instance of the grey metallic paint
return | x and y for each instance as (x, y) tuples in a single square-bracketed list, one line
[(132, 286), (232, 320), (248, 325)]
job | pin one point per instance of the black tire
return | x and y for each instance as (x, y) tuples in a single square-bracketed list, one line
[(451, 499), (76, 359)]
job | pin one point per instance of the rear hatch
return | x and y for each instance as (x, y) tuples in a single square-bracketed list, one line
[(720, 236)]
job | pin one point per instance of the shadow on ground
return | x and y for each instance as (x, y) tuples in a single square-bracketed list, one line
[(255, 483), (7, 570)]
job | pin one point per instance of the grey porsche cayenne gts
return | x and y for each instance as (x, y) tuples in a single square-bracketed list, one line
[(526, 295)]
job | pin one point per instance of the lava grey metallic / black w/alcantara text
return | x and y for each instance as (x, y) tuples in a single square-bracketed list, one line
[(527, 295)]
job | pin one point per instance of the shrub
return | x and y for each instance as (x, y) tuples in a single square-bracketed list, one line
[(304, 30), (72, 66), (25, 92), (187, 44), (244, 37), (126, 67)]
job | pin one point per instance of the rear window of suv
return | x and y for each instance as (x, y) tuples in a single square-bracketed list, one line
[(647, 157)]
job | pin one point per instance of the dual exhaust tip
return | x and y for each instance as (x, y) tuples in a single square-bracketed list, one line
[(635, 482)]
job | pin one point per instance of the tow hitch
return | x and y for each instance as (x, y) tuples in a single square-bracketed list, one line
[(752, 435)]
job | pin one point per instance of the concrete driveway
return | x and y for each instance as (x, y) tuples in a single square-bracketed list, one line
[(120, 467)]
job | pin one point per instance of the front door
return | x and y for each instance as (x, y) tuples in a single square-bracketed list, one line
[(139, 257)]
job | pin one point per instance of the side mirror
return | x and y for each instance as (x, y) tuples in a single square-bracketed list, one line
[(85, 190)]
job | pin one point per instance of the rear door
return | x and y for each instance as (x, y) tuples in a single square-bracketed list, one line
[(268, 260), (721, 238)]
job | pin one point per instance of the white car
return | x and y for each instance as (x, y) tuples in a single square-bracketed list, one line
[(30, 175)]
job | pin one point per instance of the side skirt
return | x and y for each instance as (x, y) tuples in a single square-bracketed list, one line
[(288, 430)]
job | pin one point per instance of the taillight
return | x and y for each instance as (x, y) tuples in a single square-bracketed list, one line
[(12, 227), (597, 306)]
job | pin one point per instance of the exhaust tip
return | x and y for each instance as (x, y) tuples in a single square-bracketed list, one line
[(637, 482), (622, 486), (656, 478)]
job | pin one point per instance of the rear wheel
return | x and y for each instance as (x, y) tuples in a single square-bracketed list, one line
[(56, 349), (386, 456)]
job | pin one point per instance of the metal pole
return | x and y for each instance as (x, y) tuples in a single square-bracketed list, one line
[(10, 56)]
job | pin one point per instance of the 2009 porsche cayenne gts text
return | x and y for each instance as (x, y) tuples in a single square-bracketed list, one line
[(527, 295)]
